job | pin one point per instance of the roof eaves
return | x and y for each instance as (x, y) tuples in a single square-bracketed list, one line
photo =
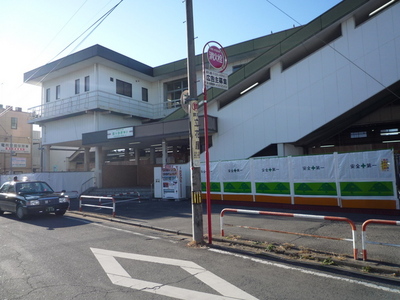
[(85, 54)]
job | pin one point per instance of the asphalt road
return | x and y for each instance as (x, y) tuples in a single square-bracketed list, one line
[(176, 216), (76, 257)]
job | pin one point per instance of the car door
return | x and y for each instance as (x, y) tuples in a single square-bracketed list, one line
[(11, 198), (4, 205)]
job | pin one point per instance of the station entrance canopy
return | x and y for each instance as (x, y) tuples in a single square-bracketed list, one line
[(143, 136)]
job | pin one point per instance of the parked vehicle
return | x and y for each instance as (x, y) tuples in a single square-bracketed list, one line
[(31, 197)]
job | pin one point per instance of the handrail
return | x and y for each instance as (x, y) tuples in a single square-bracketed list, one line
[(94, 178), (364, 234), (103, 100), (304, 216), (99, 206)]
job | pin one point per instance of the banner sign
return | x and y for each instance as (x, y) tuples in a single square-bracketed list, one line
[(313, 168), (361, 166), (270, 169), (360, 175), (236, 176), (216, 79)]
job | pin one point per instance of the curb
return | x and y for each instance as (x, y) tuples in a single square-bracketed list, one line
[(366, 267)]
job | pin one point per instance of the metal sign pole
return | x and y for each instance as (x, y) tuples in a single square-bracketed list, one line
[(208, 193), (222, 63)]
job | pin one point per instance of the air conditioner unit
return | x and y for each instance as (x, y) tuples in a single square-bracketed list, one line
[(18, 109)]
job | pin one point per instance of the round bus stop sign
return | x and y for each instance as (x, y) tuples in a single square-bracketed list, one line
[(216, 57)]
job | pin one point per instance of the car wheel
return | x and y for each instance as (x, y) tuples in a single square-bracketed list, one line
[(60, 213), (20, 213), (1, 212)]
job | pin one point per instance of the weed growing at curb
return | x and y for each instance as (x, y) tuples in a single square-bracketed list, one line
[(328, 261)]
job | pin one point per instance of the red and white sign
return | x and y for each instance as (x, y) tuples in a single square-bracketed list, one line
[(217, 58)]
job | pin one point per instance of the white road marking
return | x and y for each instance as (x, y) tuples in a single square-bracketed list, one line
[(118, 276), (123, 230), (363, 283)]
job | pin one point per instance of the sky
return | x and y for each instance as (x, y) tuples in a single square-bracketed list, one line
[(33, 33)]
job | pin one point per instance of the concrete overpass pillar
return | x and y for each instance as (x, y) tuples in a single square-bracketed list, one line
[(86, 159), (137, 156), (46, 158), (164, 152), (152, 155), (98, 173)]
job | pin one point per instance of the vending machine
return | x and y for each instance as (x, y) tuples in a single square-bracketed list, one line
[(173, 185)]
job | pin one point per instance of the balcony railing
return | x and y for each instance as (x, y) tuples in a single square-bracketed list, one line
[(98, 100)]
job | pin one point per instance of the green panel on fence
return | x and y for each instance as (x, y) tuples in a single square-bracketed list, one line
[(237, 187), (214, 187), (372, 188), (281, 188), (315, 188)]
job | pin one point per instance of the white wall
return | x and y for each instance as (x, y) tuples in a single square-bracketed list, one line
[(73, 183), (67, 84), (72, 128), (312, 92)]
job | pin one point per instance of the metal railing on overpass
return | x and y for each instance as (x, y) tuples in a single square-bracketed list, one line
[(99, 100)]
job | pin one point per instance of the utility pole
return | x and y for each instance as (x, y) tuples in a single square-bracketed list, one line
[(197, 209)]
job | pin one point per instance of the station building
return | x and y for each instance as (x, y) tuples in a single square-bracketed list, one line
[(332, 85)]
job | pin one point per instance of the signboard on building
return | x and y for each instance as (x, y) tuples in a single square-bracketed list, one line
[(18, 162), (120, 133), (14, 148)]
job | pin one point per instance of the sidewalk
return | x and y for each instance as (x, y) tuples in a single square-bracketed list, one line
[(264, 233)]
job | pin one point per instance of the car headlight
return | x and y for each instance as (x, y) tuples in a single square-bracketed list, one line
[(33, 202), (62, 200)]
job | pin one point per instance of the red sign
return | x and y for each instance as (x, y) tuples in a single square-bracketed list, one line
[(216, 57)]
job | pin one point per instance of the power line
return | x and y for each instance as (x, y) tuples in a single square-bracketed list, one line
[(62, 28), (96, 24)]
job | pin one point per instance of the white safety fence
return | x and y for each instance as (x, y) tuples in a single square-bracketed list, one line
[(74, 183)]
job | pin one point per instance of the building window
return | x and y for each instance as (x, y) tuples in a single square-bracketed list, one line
[(58, 92), (391, 131), (174, 90), (47, 95), (87, 84), (358, 135), (237, 67), (145, 94), (124, 88), (14, 123), (77, 86)]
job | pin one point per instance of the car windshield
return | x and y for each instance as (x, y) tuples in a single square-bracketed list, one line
[(33, 187)]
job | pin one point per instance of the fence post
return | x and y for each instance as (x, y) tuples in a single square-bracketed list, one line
[(364, 234)]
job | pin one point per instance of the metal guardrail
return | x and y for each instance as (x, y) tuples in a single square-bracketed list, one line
[(303, 216), (364, 240), (102, 100), (100, 198)]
